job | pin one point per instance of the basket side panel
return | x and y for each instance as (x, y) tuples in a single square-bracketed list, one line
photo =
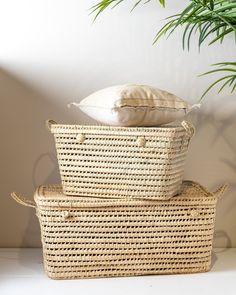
[(116, 166), (125, 241)]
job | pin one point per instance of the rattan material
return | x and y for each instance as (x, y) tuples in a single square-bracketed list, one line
[(131, 162), (90, 237)]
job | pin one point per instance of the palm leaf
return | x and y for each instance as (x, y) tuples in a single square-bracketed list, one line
[(212, 17), (104, 4), (222, 35), (227, 67)]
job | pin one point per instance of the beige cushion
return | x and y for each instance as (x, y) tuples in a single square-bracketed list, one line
[(133, 105)]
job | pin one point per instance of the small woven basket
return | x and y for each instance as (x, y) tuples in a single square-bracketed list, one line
[(91, 237), (104, 161)]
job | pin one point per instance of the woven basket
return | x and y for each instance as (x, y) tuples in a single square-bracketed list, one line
[(104, 161), (91, 237)]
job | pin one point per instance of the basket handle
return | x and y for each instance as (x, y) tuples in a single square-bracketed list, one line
[(219, 192), (188, 127), (49, 124), (21, 200)]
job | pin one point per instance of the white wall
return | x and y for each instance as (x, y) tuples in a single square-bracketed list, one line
[(51, 54)]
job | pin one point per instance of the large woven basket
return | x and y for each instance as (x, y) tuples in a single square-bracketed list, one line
[(104, 161), (91, 237)]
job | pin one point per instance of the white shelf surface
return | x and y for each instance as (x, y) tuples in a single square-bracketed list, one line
[(21, 273)]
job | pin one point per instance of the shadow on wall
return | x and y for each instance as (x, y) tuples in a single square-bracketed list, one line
[(227, 244), (212, 160), (27, 155)]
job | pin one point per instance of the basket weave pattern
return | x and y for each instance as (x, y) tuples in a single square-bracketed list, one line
[(104, 161), (93, 237)]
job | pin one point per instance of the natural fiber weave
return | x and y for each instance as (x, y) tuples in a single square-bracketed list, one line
[(89, 237), (131, 162)]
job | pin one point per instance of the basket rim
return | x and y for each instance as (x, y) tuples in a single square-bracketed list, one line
[(117, 130), (184, 127), (103, 126)]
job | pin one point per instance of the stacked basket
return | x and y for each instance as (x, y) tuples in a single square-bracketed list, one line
[(122, 208)]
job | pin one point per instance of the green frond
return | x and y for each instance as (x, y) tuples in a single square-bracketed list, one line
[(104, 4), (215, 19), (230, 77)]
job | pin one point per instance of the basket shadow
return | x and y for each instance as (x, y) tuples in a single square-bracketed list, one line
[(27, 154), (222, 260), (212, 159)]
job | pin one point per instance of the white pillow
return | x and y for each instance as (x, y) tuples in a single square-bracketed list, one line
[(133, 105)]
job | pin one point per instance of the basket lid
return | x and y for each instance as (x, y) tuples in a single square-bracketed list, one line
[(191, 193)]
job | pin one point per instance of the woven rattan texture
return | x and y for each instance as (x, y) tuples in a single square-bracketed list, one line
[(88, 237), (121, 162)]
